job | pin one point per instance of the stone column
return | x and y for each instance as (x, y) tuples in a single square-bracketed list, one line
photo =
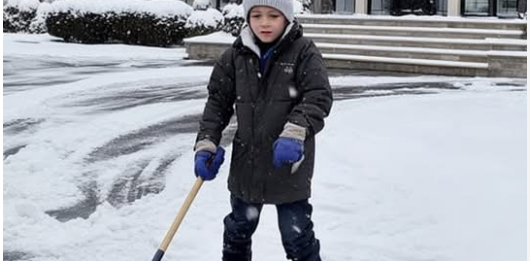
[(454, 7), (361, 6)]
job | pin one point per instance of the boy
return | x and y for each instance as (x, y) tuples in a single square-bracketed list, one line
[(278, 83)]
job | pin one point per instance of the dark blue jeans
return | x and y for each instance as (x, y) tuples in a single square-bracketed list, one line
[(294, 222)]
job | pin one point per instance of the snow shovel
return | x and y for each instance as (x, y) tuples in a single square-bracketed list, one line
[(178, 219)]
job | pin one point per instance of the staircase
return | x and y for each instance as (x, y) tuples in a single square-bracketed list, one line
[(424, 45)]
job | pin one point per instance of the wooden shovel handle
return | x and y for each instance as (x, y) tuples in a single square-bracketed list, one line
[(178, 219)]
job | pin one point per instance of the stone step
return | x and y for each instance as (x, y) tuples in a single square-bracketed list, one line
[(407, 31), (410, 65), (507, 44), (424, 55), (415, 21), (422, 42), (404, 52)]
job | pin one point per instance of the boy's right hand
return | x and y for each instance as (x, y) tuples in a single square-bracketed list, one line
[(207, 163)]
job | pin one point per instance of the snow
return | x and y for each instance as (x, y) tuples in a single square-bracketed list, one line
[(425, 50), (430, 155), (233, 10), (298, 8), (217, 37), (345, 81), (417, 29), (24, 5), (11, 2), (162, 8), (438, 176), (38, 24), (400, 38), (413, 61), (208, 18), (499, 41), (519, 54), (252, 213), (201, 4), (407, 49), (226, 38), (43, 9), (48, 45), (412, 17)]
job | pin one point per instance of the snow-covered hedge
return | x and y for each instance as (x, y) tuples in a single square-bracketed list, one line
[(144, 22), (201, 4), (153, 23), (233, 19), (204, 22), (302, 6), (25, 16)]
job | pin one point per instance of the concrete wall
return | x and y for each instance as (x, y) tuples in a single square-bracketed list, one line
[(507, 66), (205, 51)]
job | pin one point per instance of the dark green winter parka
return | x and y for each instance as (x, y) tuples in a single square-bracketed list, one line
[(293, 88)]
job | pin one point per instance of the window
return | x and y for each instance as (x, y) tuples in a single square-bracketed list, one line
[(507, 8)]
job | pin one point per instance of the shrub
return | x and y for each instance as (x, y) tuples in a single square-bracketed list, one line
[(204, 22), (152, 23), (303, 6), (233, 19), (18, 15), (38, 23), (201, 4)]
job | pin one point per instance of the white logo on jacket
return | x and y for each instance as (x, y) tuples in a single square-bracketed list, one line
[(288, 67)]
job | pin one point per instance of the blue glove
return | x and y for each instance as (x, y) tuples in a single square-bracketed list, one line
[(287, 150), (207, 163)]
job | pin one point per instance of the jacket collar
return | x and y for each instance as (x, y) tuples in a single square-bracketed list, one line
[(246, 38)]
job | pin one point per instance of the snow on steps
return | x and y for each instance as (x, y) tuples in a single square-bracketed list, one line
[(422, 62), (426, 42), (414, 52), (439, 32), (490, 49), (491, 23), (406, 65)]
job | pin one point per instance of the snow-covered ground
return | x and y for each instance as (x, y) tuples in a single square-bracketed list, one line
[(97, 161)]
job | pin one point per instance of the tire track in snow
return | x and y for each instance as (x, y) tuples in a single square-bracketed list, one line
[(15, 128), (142, 177), (137, 181), (124, 95)]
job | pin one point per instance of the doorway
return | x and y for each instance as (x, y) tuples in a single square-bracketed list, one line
[(345, 6), (383, 7)]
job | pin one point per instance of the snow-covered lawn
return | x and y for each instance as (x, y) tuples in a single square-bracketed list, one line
[(98, 161)]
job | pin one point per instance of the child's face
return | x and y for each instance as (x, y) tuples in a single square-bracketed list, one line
[(267, 23)]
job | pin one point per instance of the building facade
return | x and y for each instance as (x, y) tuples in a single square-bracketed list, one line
[(492, 8), (496, 8)]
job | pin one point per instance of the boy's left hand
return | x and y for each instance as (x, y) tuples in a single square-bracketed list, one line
[(287, 150)]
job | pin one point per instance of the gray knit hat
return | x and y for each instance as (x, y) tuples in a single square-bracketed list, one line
[(284, 6)]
